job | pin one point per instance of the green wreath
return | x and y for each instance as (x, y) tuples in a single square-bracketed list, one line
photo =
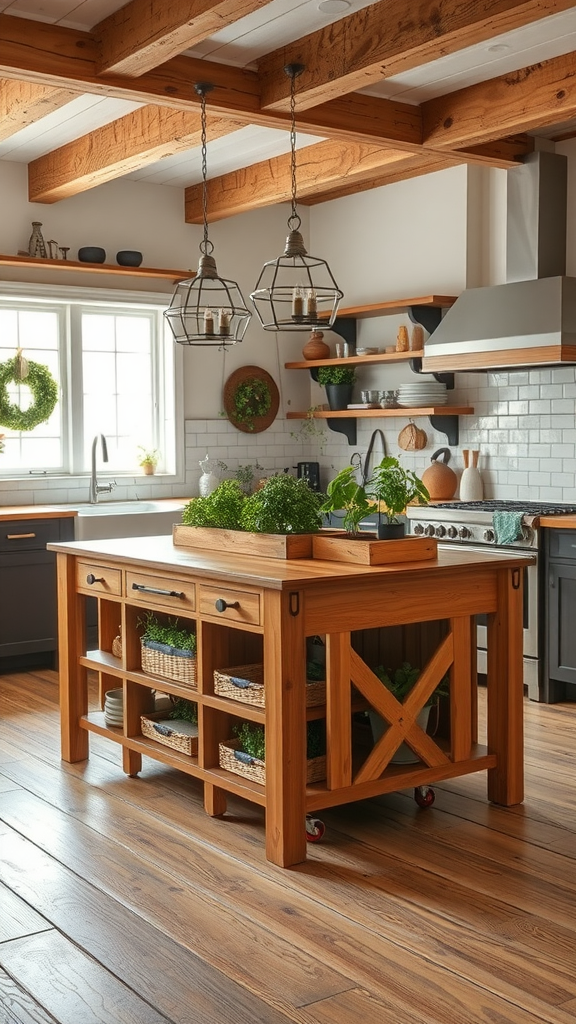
[(252, 399), (44, 392)]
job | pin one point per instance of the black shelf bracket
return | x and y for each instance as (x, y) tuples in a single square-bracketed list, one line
[(428, 316), (448, 425), (442, 378), (346, 327), (344, 426)]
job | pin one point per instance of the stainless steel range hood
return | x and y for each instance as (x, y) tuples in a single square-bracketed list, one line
[(531, 321)]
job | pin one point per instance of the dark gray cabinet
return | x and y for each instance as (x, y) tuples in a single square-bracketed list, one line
[(560, 661), (28, 609)]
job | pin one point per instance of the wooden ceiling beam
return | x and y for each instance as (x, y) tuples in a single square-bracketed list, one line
[(134, 141), (385, 39), (532, 97), (22, 104), (410, 167), (319, 167), (146, 33)]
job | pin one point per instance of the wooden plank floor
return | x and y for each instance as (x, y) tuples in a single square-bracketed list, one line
[(122, 902)]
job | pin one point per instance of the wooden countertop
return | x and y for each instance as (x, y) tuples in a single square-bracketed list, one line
[(9, 513), (558, 522), (160, 553)]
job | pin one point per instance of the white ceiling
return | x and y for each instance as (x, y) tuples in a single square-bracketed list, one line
[(242, 44)]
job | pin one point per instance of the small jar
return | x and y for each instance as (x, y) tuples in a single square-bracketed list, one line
[(402, 342)]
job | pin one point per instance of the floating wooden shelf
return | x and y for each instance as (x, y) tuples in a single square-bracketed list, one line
[(380, 357), (95, 268), (363, 414), (396, 306)]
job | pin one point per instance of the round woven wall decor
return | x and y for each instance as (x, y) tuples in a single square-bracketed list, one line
[(412, 438), (242, 376)]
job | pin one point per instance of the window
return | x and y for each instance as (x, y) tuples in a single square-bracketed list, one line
[(114, 362)]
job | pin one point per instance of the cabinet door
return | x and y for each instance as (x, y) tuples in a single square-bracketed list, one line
[(561, 619), (28, 613)]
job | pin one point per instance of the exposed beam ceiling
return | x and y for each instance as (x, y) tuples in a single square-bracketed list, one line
[(145, 135), (22, 104), (135, 54), (387, 38), (146, 33)]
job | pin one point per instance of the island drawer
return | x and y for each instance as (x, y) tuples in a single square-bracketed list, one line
[(92, 578), (231, 605), (169, 594)]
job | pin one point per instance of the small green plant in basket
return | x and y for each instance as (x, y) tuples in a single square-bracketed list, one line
[(221, 509), (184, 710), (253, 742), (168, 634)]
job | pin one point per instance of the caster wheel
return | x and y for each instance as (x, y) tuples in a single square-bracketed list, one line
[(424, 796), (315, 829)]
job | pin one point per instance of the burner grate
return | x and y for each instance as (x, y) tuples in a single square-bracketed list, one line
[(531, 508)]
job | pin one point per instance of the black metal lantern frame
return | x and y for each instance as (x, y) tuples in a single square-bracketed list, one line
[(207, 309), (295, 292)]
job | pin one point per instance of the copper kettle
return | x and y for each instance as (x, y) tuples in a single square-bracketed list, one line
[(440, 481)]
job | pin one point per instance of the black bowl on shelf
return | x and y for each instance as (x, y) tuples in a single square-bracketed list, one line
[(129, 258), (91, 254)]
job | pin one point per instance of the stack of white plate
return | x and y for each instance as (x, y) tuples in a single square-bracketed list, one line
[(114, 708), (424, 393)]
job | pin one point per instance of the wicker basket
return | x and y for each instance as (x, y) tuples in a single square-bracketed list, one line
[(169, 663), (117, 644), (170, 732), (254, 769), (246, 684)]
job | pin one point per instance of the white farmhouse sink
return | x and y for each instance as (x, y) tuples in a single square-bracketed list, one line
[(126, 519)]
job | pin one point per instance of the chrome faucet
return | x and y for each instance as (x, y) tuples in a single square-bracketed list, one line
[(95, 487)]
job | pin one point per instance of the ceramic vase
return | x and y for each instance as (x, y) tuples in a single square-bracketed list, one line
[(315, 347), (471, 486)]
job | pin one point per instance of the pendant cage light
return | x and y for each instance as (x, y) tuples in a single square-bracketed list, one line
[(295, 292), (207, 309)]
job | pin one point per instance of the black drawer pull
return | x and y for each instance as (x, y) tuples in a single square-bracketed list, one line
[(91, 578), (157, 590), (19, 536), (222, 605)]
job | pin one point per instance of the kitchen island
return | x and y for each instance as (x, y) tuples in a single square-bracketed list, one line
[(245, 610)]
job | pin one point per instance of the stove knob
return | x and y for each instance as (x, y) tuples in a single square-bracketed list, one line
[(418, 529), (429, 531), (464, 532), (452, 531), (489, 536), (440, 531)]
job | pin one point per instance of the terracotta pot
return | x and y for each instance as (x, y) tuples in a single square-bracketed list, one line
[(315, 347), (440, 481)]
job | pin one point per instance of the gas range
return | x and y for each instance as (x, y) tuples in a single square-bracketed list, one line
[(471, 522)]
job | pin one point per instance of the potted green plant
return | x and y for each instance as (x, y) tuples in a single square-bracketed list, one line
[(400, 683), (394, 488), (339, 382), (148, 459), (344, 493), (220, 509), (283, 505), (168, 649)]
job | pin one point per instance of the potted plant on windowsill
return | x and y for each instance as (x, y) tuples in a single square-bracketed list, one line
[(400, 683), (148, 459), (339, 383)]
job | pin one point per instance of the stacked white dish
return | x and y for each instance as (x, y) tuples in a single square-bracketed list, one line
[(424, 393), (114, 708)]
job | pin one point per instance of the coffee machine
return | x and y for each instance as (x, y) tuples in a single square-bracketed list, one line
[(310, 472)]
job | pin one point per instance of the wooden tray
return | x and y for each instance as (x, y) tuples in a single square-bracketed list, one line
[(236, 542), (366, 551)]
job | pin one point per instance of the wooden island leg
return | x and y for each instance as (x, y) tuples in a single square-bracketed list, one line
[(284, 672), (506, 691), (73, 677)]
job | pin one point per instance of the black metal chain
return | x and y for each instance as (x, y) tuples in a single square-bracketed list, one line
[(293, 70), (206, 246)]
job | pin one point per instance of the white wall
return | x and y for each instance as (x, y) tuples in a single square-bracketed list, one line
[(438, 233)]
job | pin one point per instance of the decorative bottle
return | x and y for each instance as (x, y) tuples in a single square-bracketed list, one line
[(471, 486), (316, 347), (209, 480), (37, 245)]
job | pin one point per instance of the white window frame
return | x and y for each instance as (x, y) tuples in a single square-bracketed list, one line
[(79, 299)]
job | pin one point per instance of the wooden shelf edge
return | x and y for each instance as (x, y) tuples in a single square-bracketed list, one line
[(347, 414), (396, 306), (95, 268), (379, 357)]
